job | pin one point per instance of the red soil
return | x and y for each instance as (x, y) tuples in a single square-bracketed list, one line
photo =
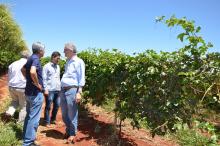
[(95, 129)]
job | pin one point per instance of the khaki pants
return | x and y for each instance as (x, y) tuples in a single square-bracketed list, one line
[(18, 101)]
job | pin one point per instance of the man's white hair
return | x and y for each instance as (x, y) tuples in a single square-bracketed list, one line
[(38, 46), (25, 53), (71, 47)]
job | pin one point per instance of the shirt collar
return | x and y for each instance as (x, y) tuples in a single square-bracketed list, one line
[(23, 59), (53, 64), (74, 58), (35, 55)]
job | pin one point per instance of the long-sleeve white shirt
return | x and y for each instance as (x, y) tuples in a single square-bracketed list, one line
[(74, 73), (51, 77), (15, 77)]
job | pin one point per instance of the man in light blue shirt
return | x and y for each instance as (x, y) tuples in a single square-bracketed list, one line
[(51, 80), (71, 89)]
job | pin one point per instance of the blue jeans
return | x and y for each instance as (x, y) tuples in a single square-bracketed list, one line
[(53, 97), (31, 122), (69, 109)]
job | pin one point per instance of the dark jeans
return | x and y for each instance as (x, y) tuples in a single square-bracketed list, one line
[(54, 98)]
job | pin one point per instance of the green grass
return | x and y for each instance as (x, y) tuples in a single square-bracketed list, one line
[(190, 137), (11, 134), (4, 104)]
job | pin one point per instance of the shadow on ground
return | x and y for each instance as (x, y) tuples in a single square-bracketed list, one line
[(102, 132), (53, 133)]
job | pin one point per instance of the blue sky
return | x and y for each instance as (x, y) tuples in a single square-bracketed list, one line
[(128, 25)]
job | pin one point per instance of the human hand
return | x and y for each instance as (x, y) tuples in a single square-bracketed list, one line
[(46, 93), (78, 97), (38, 86)]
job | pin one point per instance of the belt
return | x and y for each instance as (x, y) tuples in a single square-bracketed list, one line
[(69, 87), (16, 87)]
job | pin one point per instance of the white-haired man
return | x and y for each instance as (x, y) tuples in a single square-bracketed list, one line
[(71, 89)]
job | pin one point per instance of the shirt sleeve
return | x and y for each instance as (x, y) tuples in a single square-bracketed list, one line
[(35, 62), (81, 73)]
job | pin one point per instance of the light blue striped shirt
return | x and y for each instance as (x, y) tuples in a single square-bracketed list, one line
[(51, 77), (74, 73)]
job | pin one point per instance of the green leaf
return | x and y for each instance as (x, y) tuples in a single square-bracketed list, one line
[(181, 36), (198, 29)]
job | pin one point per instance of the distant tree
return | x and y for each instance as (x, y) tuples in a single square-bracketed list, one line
[(11, 42)]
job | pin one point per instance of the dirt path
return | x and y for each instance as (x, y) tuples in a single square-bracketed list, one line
[(95, 129), (3, 88)]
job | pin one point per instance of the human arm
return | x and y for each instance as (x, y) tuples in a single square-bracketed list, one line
[(81, 80), (33, 74), (23, 71)]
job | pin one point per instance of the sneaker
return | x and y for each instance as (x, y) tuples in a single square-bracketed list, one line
[(71, 139)]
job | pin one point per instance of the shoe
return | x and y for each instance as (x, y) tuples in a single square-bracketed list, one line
[(48, 126), (45, 124), (71, 139), (34, 144)]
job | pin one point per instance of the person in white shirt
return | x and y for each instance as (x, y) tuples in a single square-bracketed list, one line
[(17, 84), (51, 80)]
